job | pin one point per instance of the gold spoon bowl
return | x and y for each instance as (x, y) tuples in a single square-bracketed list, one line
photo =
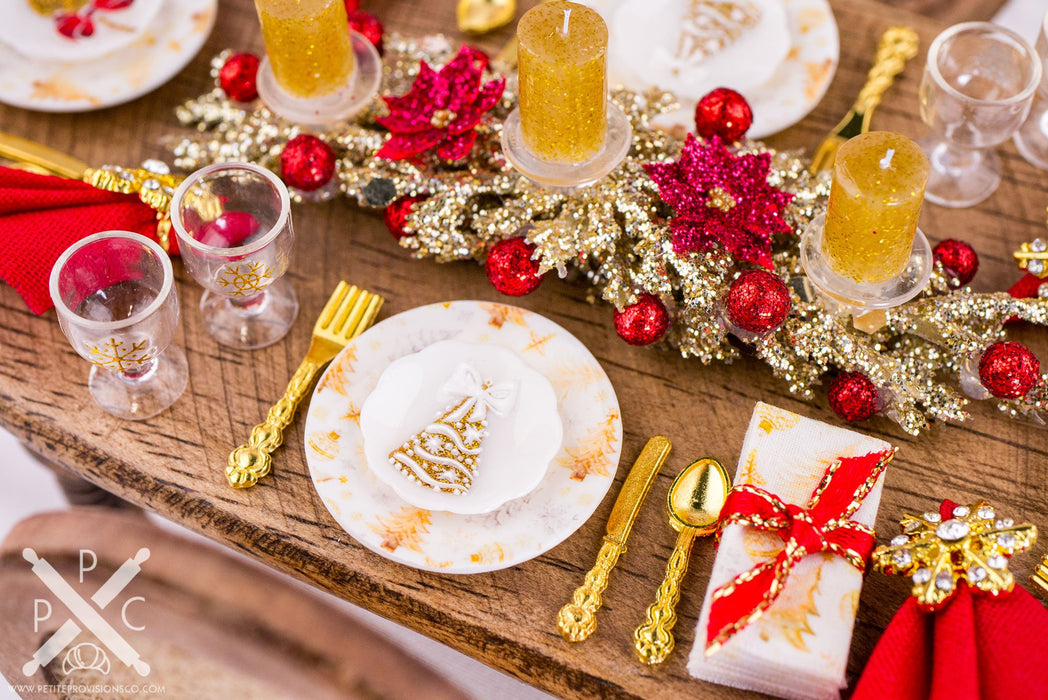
[(694, 503)]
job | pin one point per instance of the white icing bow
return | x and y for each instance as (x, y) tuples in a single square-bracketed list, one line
[(466, 381)]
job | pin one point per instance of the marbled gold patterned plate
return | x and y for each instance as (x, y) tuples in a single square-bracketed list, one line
[(171, 40), (783, 99), (576, 481)]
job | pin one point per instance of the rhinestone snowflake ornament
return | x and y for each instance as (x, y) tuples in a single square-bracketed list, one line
[(971, 545)]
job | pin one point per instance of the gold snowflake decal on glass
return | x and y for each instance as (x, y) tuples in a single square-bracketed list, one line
[(972, 546), (118, 355), (245, 280)]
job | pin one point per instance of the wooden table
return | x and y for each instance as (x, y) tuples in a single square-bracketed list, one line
[(173, 464)]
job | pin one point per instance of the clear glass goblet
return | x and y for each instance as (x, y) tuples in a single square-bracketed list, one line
[(1032, 137), (977, 87), (116, 302), (233, 222)]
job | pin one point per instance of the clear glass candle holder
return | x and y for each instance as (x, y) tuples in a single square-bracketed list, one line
[(847, 296), (978, 83), (116, 303), (1032, 137), (233, 223), (564, 133), (316, 70)]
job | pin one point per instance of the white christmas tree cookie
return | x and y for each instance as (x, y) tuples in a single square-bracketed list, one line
[(461, 427), (443, 455), (693, 46)]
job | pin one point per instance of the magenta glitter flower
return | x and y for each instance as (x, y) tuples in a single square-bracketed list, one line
[(721, 197), (441, 109)]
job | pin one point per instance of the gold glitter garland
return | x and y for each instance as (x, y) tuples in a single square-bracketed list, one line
[(614, 234)]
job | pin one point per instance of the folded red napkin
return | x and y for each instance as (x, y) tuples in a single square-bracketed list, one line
[(977, 646), (42, 215)]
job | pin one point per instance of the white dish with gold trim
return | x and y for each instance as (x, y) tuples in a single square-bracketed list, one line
[(373, 514), (782, 77), (170, 41), (36, 36)]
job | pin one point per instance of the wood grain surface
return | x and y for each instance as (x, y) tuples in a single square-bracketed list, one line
[(173, 464), (207, 624)]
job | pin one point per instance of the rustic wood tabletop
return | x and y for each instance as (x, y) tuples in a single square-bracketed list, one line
[(173, 464)]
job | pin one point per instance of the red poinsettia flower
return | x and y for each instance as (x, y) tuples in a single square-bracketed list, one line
[(441, 110), (721, 197)]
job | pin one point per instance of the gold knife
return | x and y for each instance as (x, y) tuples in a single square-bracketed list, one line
[(26, 151), (897, 46), (577, 620), (153, 188)]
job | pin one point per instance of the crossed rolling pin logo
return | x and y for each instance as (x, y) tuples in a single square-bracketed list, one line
[(85, 616)]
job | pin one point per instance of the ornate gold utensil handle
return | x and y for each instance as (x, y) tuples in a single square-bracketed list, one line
[(897, 46), (578, 619), (653, 640), (249, 463)]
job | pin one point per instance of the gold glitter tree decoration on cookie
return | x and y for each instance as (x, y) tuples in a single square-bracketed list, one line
[(938, 552), (443, 455), (616, 235)]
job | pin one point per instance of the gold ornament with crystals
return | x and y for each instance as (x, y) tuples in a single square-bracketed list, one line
[(615, 234), (973, 546)]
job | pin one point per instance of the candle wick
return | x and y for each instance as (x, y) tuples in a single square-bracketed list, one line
[(567, 16), (886, 161)]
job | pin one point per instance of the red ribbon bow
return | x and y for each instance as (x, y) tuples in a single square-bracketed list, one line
[(823, 525)]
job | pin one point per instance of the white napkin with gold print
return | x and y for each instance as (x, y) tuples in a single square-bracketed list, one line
[(799, 647)]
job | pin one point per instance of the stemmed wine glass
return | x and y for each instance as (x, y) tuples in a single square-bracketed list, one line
[(116, 302), (1032, 137), (233, 223), (977, 87)]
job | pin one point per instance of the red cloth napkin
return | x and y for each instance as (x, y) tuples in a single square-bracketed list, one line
[(42, 215), (978, 646)]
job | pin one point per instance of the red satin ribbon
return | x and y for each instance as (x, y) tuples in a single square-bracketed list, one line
[(823, 525)]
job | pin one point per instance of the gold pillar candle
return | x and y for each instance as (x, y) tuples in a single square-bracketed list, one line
[(875, 202), (561, 52), (308, 45)]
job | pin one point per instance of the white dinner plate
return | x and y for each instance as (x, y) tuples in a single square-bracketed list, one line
[(171, 40), (371, 512), (35, 36), (792, 91)]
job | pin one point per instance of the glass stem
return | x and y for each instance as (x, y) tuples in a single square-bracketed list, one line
[(141, 373), (955, 161), (248, 306)]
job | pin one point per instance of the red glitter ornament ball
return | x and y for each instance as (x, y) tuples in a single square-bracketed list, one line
[(1008, 370), (644, 322), (307, 163), (237, 77), (958, 259), (368, 25), (510, 268), (758, 301), (352, 6), (853, 396), (396, 214), (724, 113)]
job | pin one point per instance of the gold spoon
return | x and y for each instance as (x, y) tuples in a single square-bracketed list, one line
[(694, 501)]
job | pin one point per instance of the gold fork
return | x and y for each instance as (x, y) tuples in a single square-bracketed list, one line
[(897, 46), (1040, 575), (347, 314)]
